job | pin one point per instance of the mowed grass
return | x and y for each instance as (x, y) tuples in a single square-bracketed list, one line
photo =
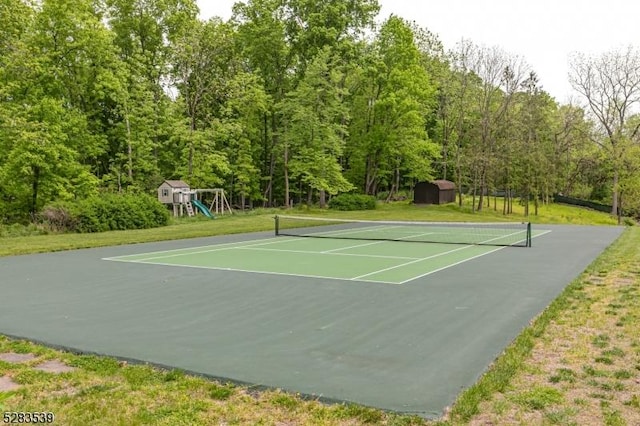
[(577, 363), (262, 220)]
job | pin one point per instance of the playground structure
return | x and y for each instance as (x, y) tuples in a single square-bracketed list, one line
[(183, 199)]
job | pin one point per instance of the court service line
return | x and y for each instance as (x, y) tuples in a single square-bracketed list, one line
[(464, 260), (339, 232), (278, 240), (215, 246), (376, 242), (350, 247), (409, 263), (451, 265), (187, 248), (263, 272), (325, 253), (432, 256)]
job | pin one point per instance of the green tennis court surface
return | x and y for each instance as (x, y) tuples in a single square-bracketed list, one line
[(350, 250), (313, 316), (389, 262)]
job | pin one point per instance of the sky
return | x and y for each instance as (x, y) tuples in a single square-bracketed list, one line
[(543, 32)]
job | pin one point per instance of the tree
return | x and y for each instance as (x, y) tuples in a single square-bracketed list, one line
[(203, 65), (315, 129), (610, 84), (535, 154), (280, 39), (242, 135), (41, 164), (146, 33), (500, 74), (392, 97), (267, 52)]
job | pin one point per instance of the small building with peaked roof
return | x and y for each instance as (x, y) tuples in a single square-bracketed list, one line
[(173, 191), (434, 192)]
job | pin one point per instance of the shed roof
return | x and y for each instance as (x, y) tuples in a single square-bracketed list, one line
[(176, 183), (444, 184)]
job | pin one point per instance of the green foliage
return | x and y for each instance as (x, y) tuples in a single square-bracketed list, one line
[(19, 230), (539, 397), (220, 392), (563, 375), (108, 212), (350, 202), (287, 97)]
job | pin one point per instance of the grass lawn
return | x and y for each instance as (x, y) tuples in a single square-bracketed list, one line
[(577, 363)]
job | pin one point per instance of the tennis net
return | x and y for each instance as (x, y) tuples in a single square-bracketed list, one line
[(494, 234)]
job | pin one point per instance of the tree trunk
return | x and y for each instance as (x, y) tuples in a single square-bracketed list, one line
[(34, 189), (129, 147), (482, 188), (323, 198), (286, 176), (614, 202), (395, 185), (475, 183), (370, 175), (504, 202)]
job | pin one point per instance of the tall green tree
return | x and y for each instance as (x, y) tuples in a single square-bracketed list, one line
[(145, 33), (315, 129), (203, 65), (388, 138), (280, 38)]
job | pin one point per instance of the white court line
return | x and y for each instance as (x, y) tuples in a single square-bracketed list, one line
[(188, 248), (215, 246), (278, 240), (325, 253), (464, 260), (375, 242), (350, 247), (409, 263), (144, 261), (339, 232), (254, 272), (451, 265), (433, 256)]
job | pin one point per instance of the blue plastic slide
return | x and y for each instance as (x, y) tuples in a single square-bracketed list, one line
[(205, 211)]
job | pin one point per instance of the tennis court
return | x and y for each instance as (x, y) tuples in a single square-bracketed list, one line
[(379, 252), (319, 313)]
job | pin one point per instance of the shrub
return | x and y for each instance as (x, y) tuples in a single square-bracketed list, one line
[(59, 217), (348, 202), (108, 212)]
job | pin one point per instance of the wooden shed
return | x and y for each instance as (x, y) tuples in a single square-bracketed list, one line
[(434, 192), (173, 192)]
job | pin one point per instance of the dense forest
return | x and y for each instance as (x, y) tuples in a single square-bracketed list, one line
[(293, 101)]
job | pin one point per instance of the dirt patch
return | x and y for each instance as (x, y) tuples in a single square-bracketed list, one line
[(595, 280), (6, 384), (54, 366), (623, 281), (16, 358)]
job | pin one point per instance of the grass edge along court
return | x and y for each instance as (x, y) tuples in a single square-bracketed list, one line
[(351, 250)]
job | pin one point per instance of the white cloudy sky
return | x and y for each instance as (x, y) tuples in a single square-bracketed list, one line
[(544, 32)]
